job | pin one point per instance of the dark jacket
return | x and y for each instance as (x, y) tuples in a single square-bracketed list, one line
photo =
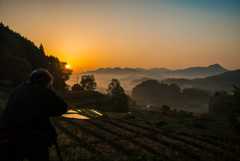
[(29, 108)]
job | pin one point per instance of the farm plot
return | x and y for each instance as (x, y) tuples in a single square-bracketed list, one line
[(209, 146), (121, 139)]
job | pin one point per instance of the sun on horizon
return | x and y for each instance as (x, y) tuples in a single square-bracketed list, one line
[(98, 34)]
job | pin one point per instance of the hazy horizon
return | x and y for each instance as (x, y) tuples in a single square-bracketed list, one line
[(154, 68), (149, 34)]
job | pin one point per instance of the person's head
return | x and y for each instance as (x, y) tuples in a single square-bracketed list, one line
[(41, 77)]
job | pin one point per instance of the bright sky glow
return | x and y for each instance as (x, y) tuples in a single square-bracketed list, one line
[(91, 34)]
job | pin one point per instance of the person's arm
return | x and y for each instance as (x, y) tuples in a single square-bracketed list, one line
[(55, 105)]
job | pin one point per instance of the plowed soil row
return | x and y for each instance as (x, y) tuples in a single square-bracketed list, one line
[(121, 138)]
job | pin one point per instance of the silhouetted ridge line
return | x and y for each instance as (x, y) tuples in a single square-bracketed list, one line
[(219, 82), (192, 72), (19, 57)]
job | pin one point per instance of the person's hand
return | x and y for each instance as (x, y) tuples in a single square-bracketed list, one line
[(51, 87)]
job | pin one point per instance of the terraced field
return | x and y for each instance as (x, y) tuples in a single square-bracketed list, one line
[(120, 138)]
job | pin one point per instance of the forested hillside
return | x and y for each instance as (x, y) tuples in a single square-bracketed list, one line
[(152, 91), (223, 81), (20, 56)]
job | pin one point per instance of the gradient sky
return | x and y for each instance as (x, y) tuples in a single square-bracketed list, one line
[(91, 34)]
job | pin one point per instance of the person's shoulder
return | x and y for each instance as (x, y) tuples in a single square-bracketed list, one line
[(19, 87), (49, 92)]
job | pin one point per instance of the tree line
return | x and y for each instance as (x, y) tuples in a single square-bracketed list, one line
[(222, 105), (115, 93), (20, 56), (226, 106), (152, 91)]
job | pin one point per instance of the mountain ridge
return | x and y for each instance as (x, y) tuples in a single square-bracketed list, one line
[(191, 72)]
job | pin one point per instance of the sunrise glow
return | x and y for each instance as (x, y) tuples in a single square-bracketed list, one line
[(98, 34)]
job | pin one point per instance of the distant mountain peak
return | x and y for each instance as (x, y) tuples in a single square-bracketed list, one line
[(215, 66)]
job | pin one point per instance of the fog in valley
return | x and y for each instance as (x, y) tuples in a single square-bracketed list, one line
[(186, 89)]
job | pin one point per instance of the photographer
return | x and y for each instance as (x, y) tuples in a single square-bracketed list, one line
[(26, 130)]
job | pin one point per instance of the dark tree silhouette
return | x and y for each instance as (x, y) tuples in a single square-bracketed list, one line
[(118, 96), (217, 104), (59, 72), (19, 56), (165, 109), (115, 89), (233, 110), (41, 47), (88, 82), (14, 68), (77, 87), (153, 91)]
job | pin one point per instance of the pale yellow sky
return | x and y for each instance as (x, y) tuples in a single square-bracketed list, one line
[(95, 34)]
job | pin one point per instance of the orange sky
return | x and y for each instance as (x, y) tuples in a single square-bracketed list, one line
[(118, 33)]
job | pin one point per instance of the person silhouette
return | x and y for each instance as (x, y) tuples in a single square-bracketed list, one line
[(25, 129)]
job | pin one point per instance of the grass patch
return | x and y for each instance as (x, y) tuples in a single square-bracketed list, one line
[(4, 94), (88, 113), (154, 119)]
